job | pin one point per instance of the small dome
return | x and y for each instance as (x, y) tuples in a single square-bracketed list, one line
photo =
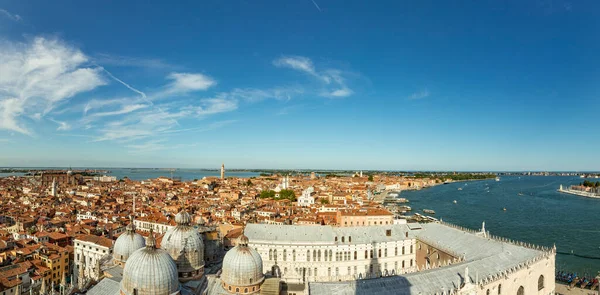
[(184, 243), (127, 243), (183, 218), (150, 271), (242, 265)]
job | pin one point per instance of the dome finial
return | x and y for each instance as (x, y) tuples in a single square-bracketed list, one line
[(130, 227), (151, 241), (243, 242)]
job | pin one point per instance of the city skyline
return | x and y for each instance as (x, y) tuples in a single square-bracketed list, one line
[(382, 86)]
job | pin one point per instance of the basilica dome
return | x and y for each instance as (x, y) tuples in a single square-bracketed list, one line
[(184, 243), (127, 243), (150, 271), (242, 268)]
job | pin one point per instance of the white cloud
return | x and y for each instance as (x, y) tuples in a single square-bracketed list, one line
[(13, 17), (126, 61), (341, 92), (299, 63), (37, 76), (331, 79), (419, 95), (214, 106), (183, 83), (62, 126), (124, 110), (256, 95)]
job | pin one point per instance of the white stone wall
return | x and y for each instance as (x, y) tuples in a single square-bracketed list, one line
[(90, 253), (146, 226), (527, 277), (341, 265)]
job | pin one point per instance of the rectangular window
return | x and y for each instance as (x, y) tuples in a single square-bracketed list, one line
[(388, 232)]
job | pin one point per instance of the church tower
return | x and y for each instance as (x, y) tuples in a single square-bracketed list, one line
[(53, 189), (223, 171)]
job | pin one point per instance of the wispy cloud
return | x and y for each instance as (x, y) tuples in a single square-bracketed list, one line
[(62, 126), (37, 76), (124, 110), (157, 145), (316, 5), (126, 61), (184, 83), (257, 95), (125, 84), (419, 95), (332, 80), (10, 16)]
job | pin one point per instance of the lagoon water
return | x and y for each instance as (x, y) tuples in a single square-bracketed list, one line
[(148, 173), (184, 174), (541, 215)]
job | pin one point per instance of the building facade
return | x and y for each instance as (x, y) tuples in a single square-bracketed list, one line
[(89, 251), (326, 253)]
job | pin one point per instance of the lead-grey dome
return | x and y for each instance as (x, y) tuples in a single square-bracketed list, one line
[(150, 271), (184, 243), (242, 265), (127, 243)]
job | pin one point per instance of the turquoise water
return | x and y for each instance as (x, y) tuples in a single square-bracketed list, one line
[(541, 215)]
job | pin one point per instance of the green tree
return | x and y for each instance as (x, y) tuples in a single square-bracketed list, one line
[(268, 194), (287, 194), (324, 201), (249, 183), (370, 178)]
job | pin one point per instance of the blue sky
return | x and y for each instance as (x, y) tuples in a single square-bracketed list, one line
[(401, 85)]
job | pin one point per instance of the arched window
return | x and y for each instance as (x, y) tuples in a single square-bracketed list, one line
[(349, 239), (229, 288), (521, 291), (411, 249), (246, 290), (487, 292), (314, 255), (307, 255), (355, 255), (284, 255), (270, 254), (396, 251), (315, 271), (379, 252), (541, 283), (342, 239), (385, 252), (319, 255), (499, 289), (275, 254), (294, 255), (403, 252), (402, 263), (326, 255), (336, 239), (237, 290), (330, 255), (366, 255)]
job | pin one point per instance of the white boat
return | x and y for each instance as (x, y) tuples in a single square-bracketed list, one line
[(497, 178), (454, 202), (460, 188)]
